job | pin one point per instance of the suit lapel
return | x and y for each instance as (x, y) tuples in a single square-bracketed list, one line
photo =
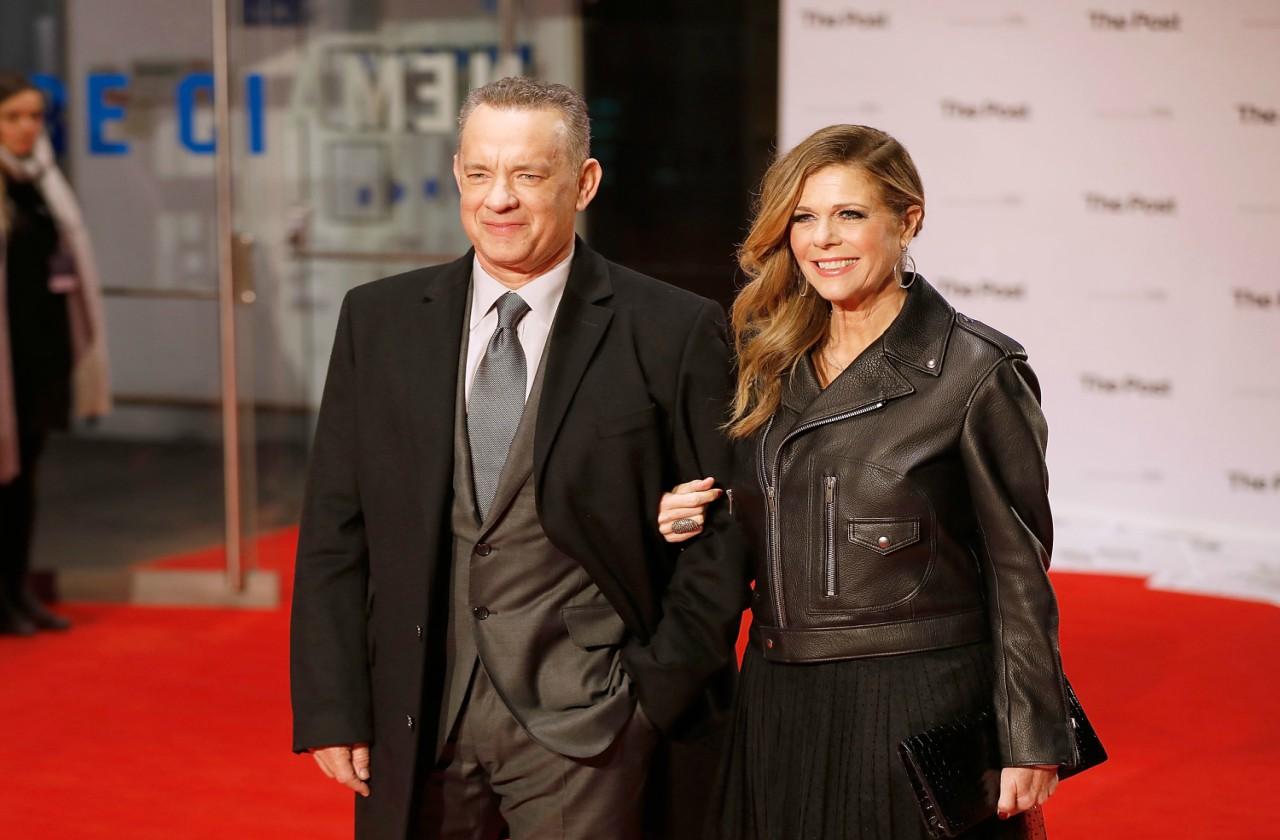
[(434, 335), (579, 326)]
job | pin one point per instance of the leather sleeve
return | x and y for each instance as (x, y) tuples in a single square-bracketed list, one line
[(328, 661), (705, 596), (1003, 446)]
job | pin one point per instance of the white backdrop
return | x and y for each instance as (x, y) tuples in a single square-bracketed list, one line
[(1102, 183)]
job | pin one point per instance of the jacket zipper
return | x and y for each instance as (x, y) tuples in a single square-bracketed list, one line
[(769, 483), (829, 562)]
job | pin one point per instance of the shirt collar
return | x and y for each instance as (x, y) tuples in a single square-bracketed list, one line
[(542, 293)]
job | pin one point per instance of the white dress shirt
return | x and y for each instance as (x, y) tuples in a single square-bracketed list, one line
[(542, 294)]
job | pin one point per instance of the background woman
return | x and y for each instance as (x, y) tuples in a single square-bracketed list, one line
[(52, 345), (892, 478)]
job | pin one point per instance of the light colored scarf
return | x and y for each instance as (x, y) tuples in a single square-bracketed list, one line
[(91, 390), (25, 169)]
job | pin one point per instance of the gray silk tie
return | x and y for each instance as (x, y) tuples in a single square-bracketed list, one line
[(496, 401)]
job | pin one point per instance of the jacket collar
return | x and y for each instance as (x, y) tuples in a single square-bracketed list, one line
[(581, 321), (917, 338), (450, 281)]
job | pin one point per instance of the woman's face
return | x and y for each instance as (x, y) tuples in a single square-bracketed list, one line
[(21, 122), (844, 238)]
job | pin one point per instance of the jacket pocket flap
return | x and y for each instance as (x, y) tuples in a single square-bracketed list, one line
[(884, 536), (594, 625), (620, 423)]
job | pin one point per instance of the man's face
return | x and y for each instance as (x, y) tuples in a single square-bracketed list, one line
[(520, 192)]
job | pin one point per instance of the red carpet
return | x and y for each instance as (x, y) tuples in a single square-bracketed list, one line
[(168, 723)]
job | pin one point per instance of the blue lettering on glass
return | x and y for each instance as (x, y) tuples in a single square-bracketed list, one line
[(274, 13), (430, 188), (256, 104), (364, 196), (101, 113), (255, 107), (397, 192), (188, 90)]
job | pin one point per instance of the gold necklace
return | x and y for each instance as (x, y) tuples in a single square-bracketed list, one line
[(831, 366)]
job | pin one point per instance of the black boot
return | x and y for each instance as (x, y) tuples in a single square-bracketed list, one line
[(14, 622), (40, 615)]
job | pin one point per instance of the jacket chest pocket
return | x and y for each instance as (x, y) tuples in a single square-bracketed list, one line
[(884, 536), (631, 421), (872, 548)]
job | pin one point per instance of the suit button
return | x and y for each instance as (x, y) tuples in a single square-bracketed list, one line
[(480, 612), (417, 628), (409, 720), (484, 549)]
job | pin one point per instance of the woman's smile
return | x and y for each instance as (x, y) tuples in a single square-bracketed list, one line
[(834, 267)]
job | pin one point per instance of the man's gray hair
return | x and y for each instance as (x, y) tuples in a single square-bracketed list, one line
[(516, 93)]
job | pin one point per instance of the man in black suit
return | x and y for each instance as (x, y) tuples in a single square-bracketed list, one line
[(488, 630)]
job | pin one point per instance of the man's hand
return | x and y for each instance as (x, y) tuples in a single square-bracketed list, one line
[(1024, 788), (347, 765)]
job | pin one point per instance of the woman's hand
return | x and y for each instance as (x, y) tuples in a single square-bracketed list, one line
[(686, 502), (1024, 788)]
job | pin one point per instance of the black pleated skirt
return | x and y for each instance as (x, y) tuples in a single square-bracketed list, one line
[(813, 751)]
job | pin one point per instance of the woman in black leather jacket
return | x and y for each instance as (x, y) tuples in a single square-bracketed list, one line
[(892, 478)]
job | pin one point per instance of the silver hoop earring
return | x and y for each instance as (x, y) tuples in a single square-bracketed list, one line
[(901, 270)]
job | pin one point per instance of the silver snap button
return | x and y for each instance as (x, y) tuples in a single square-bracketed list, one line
[(931, 364), (883, 542)]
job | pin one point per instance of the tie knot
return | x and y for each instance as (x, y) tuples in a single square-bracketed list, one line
[(511, 308)]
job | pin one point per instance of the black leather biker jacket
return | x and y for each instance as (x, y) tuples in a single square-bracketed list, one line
[(904, 509)]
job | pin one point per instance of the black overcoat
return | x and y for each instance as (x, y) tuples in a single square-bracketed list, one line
[(635, 389)]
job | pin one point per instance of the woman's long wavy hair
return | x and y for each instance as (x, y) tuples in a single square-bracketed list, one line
[(774, 325)]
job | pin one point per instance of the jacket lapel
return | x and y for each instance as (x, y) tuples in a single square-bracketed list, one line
[(869, 380), (434, 335), (579, 326)]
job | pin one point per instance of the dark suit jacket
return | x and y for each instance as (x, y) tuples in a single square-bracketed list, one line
[(636, 383)]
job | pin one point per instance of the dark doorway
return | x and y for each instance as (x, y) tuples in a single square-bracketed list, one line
[(684, 101)]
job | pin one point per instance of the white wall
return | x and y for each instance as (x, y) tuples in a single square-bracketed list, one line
[(1103, 183)]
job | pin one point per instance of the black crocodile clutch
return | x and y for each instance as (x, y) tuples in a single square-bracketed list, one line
[(955, 768)]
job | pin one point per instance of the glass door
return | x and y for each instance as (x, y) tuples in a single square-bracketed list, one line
[(341, 117), (137, 507)]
